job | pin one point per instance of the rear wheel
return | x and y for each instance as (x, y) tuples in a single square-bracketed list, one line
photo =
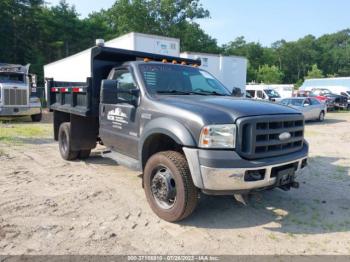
[(64, 143), (321, 116), (169, 187), (36, 118)]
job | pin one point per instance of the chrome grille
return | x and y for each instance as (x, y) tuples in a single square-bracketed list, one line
[(259, 136), (15, 97)]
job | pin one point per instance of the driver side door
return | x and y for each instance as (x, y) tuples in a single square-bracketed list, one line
[(119, 121), (307, 109)]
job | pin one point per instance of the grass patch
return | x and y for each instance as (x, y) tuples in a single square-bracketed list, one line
[(341, 169), (18, 133), (291, 235), (339, 111), (273, 237)]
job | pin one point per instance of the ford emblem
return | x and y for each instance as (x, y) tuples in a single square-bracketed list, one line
[(284, 136)]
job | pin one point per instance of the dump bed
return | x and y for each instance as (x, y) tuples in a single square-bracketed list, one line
[(82, 98)]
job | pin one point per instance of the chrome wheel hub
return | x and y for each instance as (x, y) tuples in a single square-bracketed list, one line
[(163, 188)]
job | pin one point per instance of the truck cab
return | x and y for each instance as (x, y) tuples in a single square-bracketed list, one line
[(179, 126), (16, 96)]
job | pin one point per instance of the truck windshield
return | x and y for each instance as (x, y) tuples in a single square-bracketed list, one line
[(272, 93), (180, 80), (11, 77)]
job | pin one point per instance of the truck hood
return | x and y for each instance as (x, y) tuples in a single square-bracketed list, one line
[(221, 109)]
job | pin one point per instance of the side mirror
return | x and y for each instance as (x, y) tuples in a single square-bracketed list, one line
[(32, 80), (236, 91), (109, 92)]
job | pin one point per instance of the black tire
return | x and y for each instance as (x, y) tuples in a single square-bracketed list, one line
[(321, 116), (64, 143), (36, 118), (84, 154), (186, 197)]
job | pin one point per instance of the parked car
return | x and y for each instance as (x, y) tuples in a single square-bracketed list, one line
[(337, 85), (330, 102), (311, 108), (340, 101)]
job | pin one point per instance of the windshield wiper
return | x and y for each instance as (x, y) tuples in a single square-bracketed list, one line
[(177, 92), (213, 93)]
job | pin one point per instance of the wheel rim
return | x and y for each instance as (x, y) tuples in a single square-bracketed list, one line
[(163, 187), (64, 141)]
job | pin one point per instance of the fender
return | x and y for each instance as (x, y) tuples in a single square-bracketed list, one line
[(170, 127)]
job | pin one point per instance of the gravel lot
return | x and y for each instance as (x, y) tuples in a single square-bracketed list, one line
[(50, 206)]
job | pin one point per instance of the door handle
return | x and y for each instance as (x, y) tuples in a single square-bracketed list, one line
[(103, 110)]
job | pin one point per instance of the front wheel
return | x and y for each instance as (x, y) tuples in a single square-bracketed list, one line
[(169, 187)]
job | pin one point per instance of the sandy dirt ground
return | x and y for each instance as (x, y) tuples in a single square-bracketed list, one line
[(50, 206)]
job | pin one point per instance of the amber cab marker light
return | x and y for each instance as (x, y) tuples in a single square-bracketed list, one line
[(165, 61), (183, 63), (174, 62), (146, 60)]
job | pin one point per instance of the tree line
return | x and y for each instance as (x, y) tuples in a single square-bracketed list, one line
[(33, 32)]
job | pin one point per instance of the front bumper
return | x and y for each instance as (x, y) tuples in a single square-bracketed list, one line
[(20, 111), (341, 105), (220, 170)]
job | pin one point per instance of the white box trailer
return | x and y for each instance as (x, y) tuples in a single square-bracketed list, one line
[(230, 70), (147, 43), (65, 69)]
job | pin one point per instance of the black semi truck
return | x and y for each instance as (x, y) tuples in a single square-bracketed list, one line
[(177, 125)]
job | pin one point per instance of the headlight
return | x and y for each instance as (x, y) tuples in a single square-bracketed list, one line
[(218, 136)]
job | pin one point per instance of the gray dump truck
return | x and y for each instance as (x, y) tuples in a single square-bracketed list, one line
[(17, 92), (178, 126)]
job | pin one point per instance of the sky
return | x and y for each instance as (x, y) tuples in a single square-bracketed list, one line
[(264, 21)]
